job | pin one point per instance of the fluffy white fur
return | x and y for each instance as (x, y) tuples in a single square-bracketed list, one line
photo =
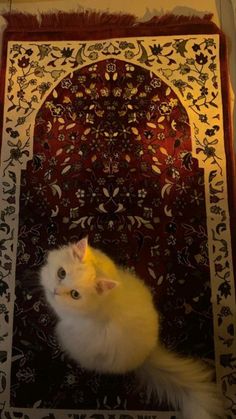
[(112, 327)]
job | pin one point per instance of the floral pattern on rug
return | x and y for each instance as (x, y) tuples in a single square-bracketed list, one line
[(112, 156), (112, 159)]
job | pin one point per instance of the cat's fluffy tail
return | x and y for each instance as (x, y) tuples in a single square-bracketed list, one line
[(184, 383)]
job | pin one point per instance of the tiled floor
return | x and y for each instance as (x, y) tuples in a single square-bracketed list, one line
[(224, 12)]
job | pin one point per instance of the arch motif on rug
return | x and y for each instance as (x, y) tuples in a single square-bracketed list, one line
[(112, 159)]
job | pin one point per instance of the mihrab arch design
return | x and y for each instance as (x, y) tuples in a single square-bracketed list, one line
[(112, 158)]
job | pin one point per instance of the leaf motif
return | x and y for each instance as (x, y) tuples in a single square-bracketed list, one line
[(5, 227), (66, 169), (107, 76), (11, 108), (144, 56), (54, 212), (121, 113), (230, 329), (37, 404), (101, 208), (160, 119), (16, 357), (227, 360), (55, 94), (120, 208), (82, 221), (3, 356), (70, 126), (87, 131), (78, 57), (115, 192), (49, 126), (168, 211), (160, 280), (156, 169), (168, 91), (150, 148), (141, 221), (163, 151), (58, 152), (61, 120), (134, 130), (160, 126), (52, 63), (181, 47), (151, 125), (149, 226), (72, 226), (173, 125), (148, 116), (106, 193), (56, 190), (3, 382), (89, 220), (99, 113), (66, 99), (10, 143), (152, 273), (166, 189), (131, 219)]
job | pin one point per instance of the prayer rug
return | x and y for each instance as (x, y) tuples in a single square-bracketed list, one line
[(121, 131)]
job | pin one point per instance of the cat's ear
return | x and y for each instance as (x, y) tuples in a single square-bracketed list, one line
[(104, 285), (80, 249)]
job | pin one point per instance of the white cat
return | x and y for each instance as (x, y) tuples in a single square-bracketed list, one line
[(108, 323)]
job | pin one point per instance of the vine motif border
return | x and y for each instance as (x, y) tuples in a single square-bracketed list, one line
[(190, 66)]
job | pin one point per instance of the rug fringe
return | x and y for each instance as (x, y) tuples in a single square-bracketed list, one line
[(170, 19), (19, 21), (66, 21), (87, 19)]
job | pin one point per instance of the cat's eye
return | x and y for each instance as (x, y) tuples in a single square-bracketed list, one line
[(75, 294), (61, 273)]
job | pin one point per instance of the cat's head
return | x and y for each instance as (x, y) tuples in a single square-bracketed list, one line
[(72, 282)]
